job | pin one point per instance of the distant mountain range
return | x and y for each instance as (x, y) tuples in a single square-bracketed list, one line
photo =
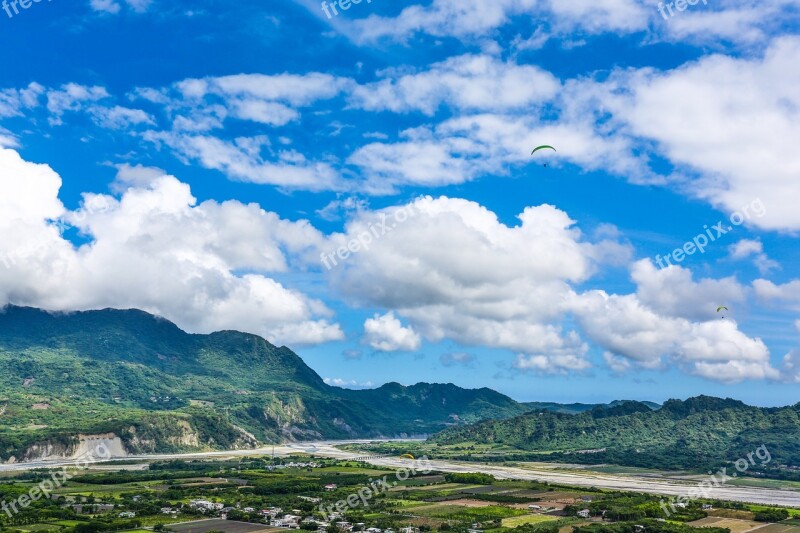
[(702, 432), (159, 389), (577, 408), (141, 380)]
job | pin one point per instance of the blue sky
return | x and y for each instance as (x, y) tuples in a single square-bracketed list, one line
[(200, 160)]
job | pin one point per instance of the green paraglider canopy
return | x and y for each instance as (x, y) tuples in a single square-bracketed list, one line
[(542, 148), (720, 308)]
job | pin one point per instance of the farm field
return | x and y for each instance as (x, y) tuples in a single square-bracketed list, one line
[(255, 494), (527, 519), (224, 526), (733, 524)]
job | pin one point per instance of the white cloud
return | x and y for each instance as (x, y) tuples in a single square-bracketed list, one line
[(701, 123), (242, 160), (753, 247), (715, 350), (786, 293), (14, 101), (739, 22), (468, 83), (474, 18), (349, 384), (555, 363), (156, 249), (466, 147), (105, 6), (618, 365), (337, 209), (791, 366), (136, 176), (673, 292), (272, 100), (72, 97), (113, 7), (119, 117), (455, 271), (742, 22), (387, 334)]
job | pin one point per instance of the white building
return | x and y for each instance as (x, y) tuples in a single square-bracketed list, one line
[(584, 513)]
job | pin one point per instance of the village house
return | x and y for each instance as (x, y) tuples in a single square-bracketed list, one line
[(288, 521), (585, 513)]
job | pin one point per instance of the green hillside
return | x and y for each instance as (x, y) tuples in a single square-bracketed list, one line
[(696, 433), (575, 408), (161, 389)]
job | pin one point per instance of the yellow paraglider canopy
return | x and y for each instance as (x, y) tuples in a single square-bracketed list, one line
[(407, 456)]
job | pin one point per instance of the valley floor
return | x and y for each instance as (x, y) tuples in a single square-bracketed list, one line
[(625, 482)]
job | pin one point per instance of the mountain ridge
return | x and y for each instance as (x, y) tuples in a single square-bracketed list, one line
[(142, 378), (699, 432)]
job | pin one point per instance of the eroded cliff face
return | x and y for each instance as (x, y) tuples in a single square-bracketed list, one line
[(180, 435), (291, 418), (103, 446)]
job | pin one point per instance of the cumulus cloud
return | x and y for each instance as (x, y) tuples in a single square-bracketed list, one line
[(454, 271), (156, 249), (673, 292), (387, 334), (136, 176), (712, 131), (715, 350)]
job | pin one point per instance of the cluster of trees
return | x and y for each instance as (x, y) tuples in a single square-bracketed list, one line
[(771, 515), (472, 478), (701, 433), (645, 526)]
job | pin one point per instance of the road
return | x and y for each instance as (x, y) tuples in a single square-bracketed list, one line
[(665, 487)]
